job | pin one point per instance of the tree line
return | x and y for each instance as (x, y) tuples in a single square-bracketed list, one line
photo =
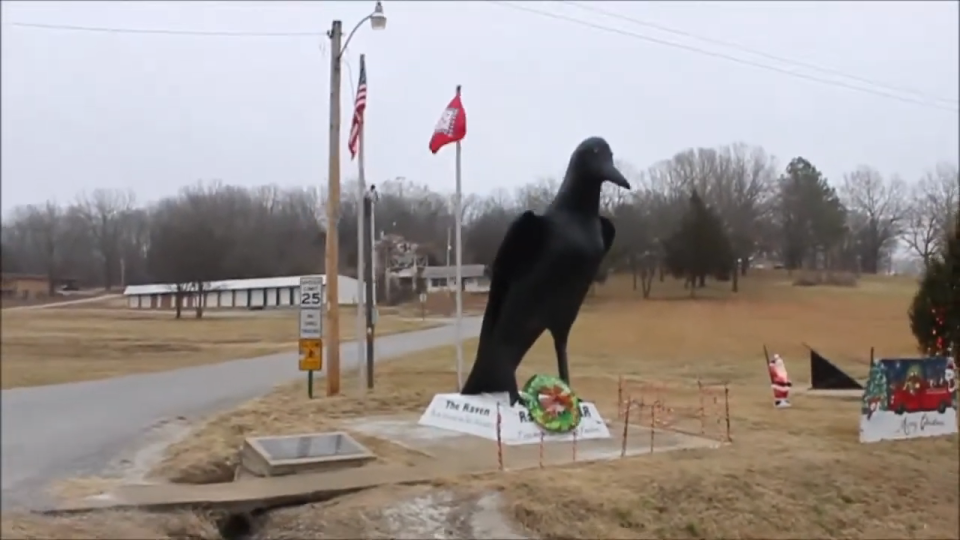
[(703, 212)]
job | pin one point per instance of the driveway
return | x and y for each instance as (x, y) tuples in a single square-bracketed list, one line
[(56, 432)]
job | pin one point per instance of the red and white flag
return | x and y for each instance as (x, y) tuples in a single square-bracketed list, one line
[(452, 126), (359, 106)]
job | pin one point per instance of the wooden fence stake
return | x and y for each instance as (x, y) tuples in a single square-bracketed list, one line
[(626, 427), (499, 439), (703, 409), (620, 398), (574, 445), (541, 449), (653, 422), (726, 409)]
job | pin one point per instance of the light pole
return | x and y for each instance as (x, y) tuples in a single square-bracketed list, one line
[(378, 21)]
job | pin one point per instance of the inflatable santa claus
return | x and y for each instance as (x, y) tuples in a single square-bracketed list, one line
[(780, 382)]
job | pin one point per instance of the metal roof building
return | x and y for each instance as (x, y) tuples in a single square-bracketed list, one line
[(257, 293)]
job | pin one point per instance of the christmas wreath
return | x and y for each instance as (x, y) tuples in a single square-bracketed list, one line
[(551, 403)]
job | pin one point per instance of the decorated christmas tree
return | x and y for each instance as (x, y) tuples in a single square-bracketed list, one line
[(876, 395), (935, 311)]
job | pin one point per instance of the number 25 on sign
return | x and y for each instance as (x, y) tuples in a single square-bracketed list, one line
[(310, 298), (311, 355)]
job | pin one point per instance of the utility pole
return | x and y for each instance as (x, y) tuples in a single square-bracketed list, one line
[(332, 266), (387, 247), (368, 200)]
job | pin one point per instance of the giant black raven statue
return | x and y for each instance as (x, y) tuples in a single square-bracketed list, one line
[(542, 272)]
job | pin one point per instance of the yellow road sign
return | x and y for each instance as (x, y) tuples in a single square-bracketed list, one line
[(311, 354)]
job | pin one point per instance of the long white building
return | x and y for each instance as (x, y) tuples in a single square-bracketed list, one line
[(274, 292)]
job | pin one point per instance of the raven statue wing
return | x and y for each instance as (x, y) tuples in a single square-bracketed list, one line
[(517, 254), (609, 233)]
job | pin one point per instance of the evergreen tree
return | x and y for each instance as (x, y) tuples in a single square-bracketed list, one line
[(699, 247), (935, 311), (810, 213)]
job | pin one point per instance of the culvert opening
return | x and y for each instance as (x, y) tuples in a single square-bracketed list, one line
[(247, 525), (239, 526)]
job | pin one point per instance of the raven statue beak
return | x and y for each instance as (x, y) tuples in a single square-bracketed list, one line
[(612, 174)]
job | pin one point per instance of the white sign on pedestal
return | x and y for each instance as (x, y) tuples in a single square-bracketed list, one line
[(477, 415), (889, 426)]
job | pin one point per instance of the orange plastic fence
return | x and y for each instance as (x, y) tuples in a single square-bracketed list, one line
[(697, 409)]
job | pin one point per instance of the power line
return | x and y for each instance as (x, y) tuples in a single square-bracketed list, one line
[(727, 57), (736, 46), (642, 37), (213, 33), (199, 33)]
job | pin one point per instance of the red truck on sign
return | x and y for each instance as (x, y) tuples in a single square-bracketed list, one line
[(917, 395)]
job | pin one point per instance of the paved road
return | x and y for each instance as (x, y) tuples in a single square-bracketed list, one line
[(68, 430)]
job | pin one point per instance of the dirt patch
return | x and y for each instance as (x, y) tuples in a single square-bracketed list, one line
[(396, 512), (445, 513), (110, 525)]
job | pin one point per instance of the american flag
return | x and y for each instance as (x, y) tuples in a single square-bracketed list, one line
[(359, 106)]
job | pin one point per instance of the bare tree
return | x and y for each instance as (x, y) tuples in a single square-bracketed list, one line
[(486, 230), (537, 195), (41, 228), (881, 206), (103, 212), (931, 210), (135, 241), (922, 228), (189, 243), (744, 190)]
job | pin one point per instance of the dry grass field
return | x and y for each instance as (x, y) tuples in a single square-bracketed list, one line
[(796, 473), (93, 341)]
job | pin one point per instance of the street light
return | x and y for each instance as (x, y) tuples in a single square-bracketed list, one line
[(378, 21)]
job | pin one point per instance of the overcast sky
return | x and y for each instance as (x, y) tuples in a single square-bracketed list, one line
[(152, 113)]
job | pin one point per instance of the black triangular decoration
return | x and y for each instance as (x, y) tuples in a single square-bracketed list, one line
[(826, 376)]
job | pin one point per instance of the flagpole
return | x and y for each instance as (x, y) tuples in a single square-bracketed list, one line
[(361, 189), (371, 237), (458, 330)]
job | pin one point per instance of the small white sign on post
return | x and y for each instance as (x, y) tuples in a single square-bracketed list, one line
[(311, 292), (310, 323)]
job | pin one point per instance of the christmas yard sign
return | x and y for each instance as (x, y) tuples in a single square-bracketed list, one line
[(907, 398)]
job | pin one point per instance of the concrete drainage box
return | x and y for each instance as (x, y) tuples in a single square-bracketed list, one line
[(294, 454)]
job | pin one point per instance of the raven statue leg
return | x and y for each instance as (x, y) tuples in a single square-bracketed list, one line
[(514, 392), (563, 366)]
